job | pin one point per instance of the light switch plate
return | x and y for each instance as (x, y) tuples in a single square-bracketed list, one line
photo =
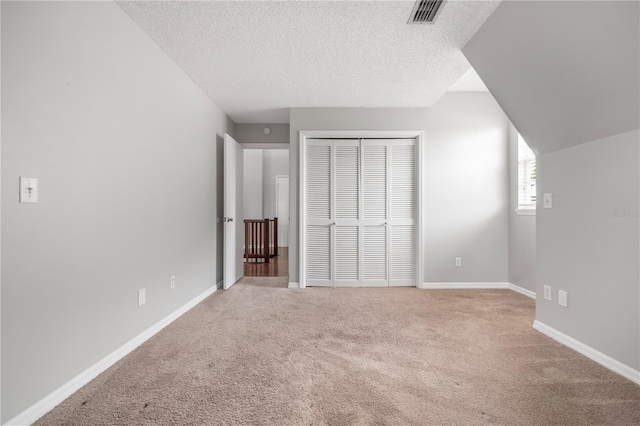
[(547, 200), (563, 298), (142, 297), (28, 190)]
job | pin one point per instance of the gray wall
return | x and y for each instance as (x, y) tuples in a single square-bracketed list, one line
[(564, 72), (465, 180), (276, 162), (522, 229), (254, 133), (125, 149), (584, 249)]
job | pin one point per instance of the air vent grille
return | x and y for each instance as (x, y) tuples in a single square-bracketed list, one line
[(425, 11)]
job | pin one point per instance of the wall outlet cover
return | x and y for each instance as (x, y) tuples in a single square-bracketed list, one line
[(547, 292), (547, 200), (142, 297)]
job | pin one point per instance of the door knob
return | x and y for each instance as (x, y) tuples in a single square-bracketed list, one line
[(227, 219)]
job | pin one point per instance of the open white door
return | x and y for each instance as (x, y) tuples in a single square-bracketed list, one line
[(233, 212)]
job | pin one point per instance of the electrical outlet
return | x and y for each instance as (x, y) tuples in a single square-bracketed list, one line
[(547, 200), (547, 292), (458, 261), (173, 282), (563, 298), (141, 296)]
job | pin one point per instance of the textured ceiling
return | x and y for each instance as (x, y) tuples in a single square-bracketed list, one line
[(257, 59)]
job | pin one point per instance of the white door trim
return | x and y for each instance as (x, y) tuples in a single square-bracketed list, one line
[(278, 177), (418, 135)]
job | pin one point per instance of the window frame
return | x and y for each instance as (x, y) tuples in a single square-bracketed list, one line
[(525, 159)]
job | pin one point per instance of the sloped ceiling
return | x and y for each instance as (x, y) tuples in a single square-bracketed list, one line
[(469, 82), (565, 73), (256, 59)]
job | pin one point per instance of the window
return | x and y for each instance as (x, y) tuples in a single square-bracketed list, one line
[(526, 177)]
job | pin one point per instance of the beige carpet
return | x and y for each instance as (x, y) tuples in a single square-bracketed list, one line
[(259, 354)]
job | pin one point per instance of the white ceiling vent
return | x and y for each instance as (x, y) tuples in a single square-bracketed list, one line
[(425, 11)]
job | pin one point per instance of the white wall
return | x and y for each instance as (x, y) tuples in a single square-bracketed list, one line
[(125, 149), (465, 179), (522, 229), (253, 160), (276, 162), (588, 244), (261, 166)]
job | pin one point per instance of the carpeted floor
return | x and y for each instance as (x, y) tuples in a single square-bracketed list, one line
[(260, 354)]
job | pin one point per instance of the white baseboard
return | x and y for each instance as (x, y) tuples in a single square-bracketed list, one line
[(589, 352), (48, 403), (464, 285), (480, 285), (521, 290), (219, 285)]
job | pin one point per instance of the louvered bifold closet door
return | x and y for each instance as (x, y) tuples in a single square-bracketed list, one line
[(360, 212), (375, 262), (319, 213), (402, 215), (346, 227)]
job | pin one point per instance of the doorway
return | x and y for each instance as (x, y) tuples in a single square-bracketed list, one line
[(266, 207)]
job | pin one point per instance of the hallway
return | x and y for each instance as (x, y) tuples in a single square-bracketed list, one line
[(277, 267)]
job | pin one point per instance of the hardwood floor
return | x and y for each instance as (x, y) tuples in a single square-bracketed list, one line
[(277, 267)]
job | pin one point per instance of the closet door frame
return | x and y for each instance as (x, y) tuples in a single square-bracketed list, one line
[(418, 135)]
